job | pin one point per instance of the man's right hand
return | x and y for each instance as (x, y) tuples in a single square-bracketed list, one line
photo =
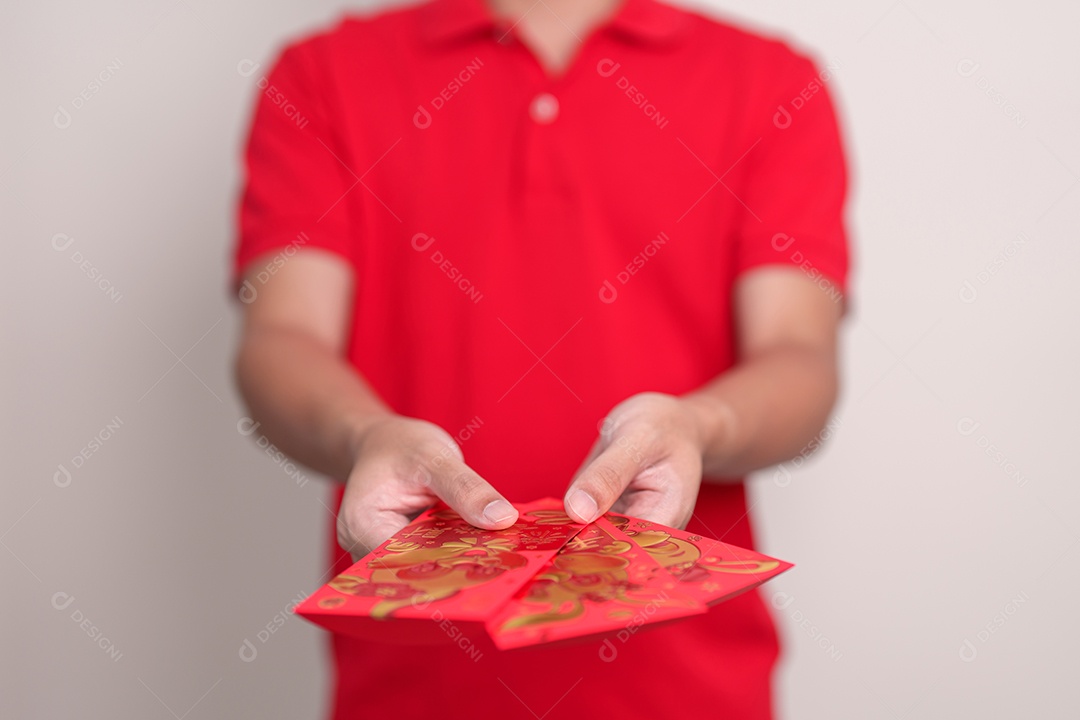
[(402, 466), (320, 411)]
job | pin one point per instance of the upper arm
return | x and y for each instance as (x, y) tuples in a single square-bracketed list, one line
[(791, 255), (309, 292), (779, 306), (296, 252)]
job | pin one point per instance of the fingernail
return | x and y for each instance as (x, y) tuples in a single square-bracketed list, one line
[(499, 511), (583, 505)]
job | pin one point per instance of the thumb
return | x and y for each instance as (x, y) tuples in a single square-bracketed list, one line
[(471, 497), (600, 484)]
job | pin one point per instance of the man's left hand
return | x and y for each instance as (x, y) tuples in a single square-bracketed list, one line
[(646, 463)]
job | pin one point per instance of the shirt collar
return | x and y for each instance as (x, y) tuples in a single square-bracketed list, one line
[(647, 21)]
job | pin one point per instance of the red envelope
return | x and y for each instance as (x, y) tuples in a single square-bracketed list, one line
[(544, 579), (709, 570), (600, 582), (439, 577)]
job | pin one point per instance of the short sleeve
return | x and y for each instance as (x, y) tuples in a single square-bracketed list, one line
[(796, 183), (295, 188)]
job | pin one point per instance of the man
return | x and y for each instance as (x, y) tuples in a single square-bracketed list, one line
[(583, 248)]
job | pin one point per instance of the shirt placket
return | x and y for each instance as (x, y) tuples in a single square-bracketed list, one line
[(539, 115)]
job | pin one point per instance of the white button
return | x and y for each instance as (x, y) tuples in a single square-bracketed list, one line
[(544, 108)]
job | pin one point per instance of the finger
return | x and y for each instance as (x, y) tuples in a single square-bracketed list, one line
[(600, 484), (666, 491), (363, 534), (658, 507), (605, 431), (594, 452), (377, 505), (470, 496)]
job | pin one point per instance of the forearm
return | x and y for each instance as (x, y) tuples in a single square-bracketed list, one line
[(307, 399), (765, 410)]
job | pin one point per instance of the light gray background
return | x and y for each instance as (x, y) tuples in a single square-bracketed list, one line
[(945, 503)]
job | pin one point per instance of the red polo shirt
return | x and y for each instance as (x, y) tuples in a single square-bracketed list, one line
[(530, 250)]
